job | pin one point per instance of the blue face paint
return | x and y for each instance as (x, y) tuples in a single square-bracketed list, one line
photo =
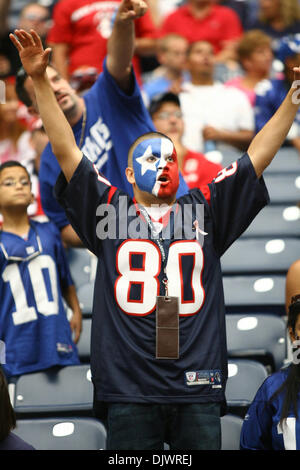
[(151, 158)]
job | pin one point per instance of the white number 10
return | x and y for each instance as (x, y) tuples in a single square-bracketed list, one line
[(24, 313)]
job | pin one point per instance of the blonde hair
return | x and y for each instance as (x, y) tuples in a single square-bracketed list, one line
[(250, 41), (289, 10)]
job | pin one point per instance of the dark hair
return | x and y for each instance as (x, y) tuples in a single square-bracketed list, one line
[(7, 414), (20, 88), (158, 100), (291, 385), (11, 163)]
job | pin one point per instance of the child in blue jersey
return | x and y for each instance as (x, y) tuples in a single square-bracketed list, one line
[(153, 395), (272, 421), (34, 280)]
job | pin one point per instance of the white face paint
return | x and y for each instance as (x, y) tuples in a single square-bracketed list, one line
[(155, 166)]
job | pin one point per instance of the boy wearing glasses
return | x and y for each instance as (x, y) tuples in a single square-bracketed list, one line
[(34, 280)]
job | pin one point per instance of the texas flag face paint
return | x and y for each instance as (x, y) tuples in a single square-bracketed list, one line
[(155, 167)]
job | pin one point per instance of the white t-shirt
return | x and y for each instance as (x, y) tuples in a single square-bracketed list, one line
[(213, 105)]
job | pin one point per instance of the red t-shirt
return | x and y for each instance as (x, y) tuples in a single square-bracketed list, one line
[(197, 171), (85, 25), (221, 24)]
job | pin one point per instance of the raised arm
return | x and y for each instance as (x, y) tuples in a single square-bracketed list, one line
[(268, 141), (35, 59), (120, 46)]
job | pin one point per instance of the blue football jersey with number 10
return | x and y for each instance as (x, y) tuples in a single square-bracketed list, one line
[(33, 322)]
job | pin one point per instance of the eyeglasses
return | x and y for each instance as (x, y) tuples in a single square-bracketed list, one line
[(10, 182), (166, 114)]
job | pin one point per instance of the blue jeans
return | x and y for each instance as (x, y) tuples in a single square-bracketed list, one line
[(148, 426)]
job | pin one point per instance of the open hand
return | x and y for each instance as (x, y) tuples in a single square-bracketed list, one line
[(32, 54)]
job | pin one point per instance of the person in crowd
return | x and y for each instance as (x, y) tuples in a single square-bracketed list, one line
[(35, 282), (158, 349), (292, 284), (8, 439), (203, 20), (271, 93), (277, 18), (104, 138), (271, 422), (171, 73), (211, 110), (255, 56), (166, 115), (80, 31)]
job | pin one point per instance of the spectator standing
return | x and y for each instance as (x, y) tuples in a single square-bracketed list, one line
[(278, 18), (35, 278), (254, 54), (80, 32), (143, 380), (211, 110), (166, 115), (171, 73), (272, 420), (203, 20), (104, 138), (270, 93)]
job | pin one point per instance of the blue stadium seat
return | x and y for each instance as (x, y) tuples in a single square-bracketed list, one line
[(72, 433), (56, 390), (250, 291), (275, 221), (85, 294), (286, 161), (84, 343), (257, 336), (244, 379), (231, 426), (283, 188), (82, 265), (260, 255)]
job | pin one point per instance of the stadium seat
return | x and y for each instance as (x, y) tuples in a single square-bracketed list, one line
[(62, 433), (84, 343), (85, 294), (252, 292), (56, 390), (257, 336), (286, 161), (275, 221), (260, 255), (231, 430), (283, 188), (82, 265), (244, 379)]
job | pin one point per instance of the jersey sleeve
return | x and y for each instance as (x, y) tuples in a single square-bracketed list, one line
[(81, 198), (49, 170), (61, 259), (264, 107), (236, 197), (256, 433)]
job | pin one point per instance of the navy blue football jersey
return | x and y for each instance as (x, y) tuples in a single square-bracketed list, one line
[(130, 273), (33, 322), (262, 429)]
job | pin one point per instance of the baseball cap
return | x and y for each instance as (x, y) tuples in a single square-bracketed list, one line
[(287, 47), (158, 100)]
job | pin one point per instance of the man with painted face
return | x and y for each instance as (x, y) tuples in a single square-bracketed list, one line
[(158, 350)]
